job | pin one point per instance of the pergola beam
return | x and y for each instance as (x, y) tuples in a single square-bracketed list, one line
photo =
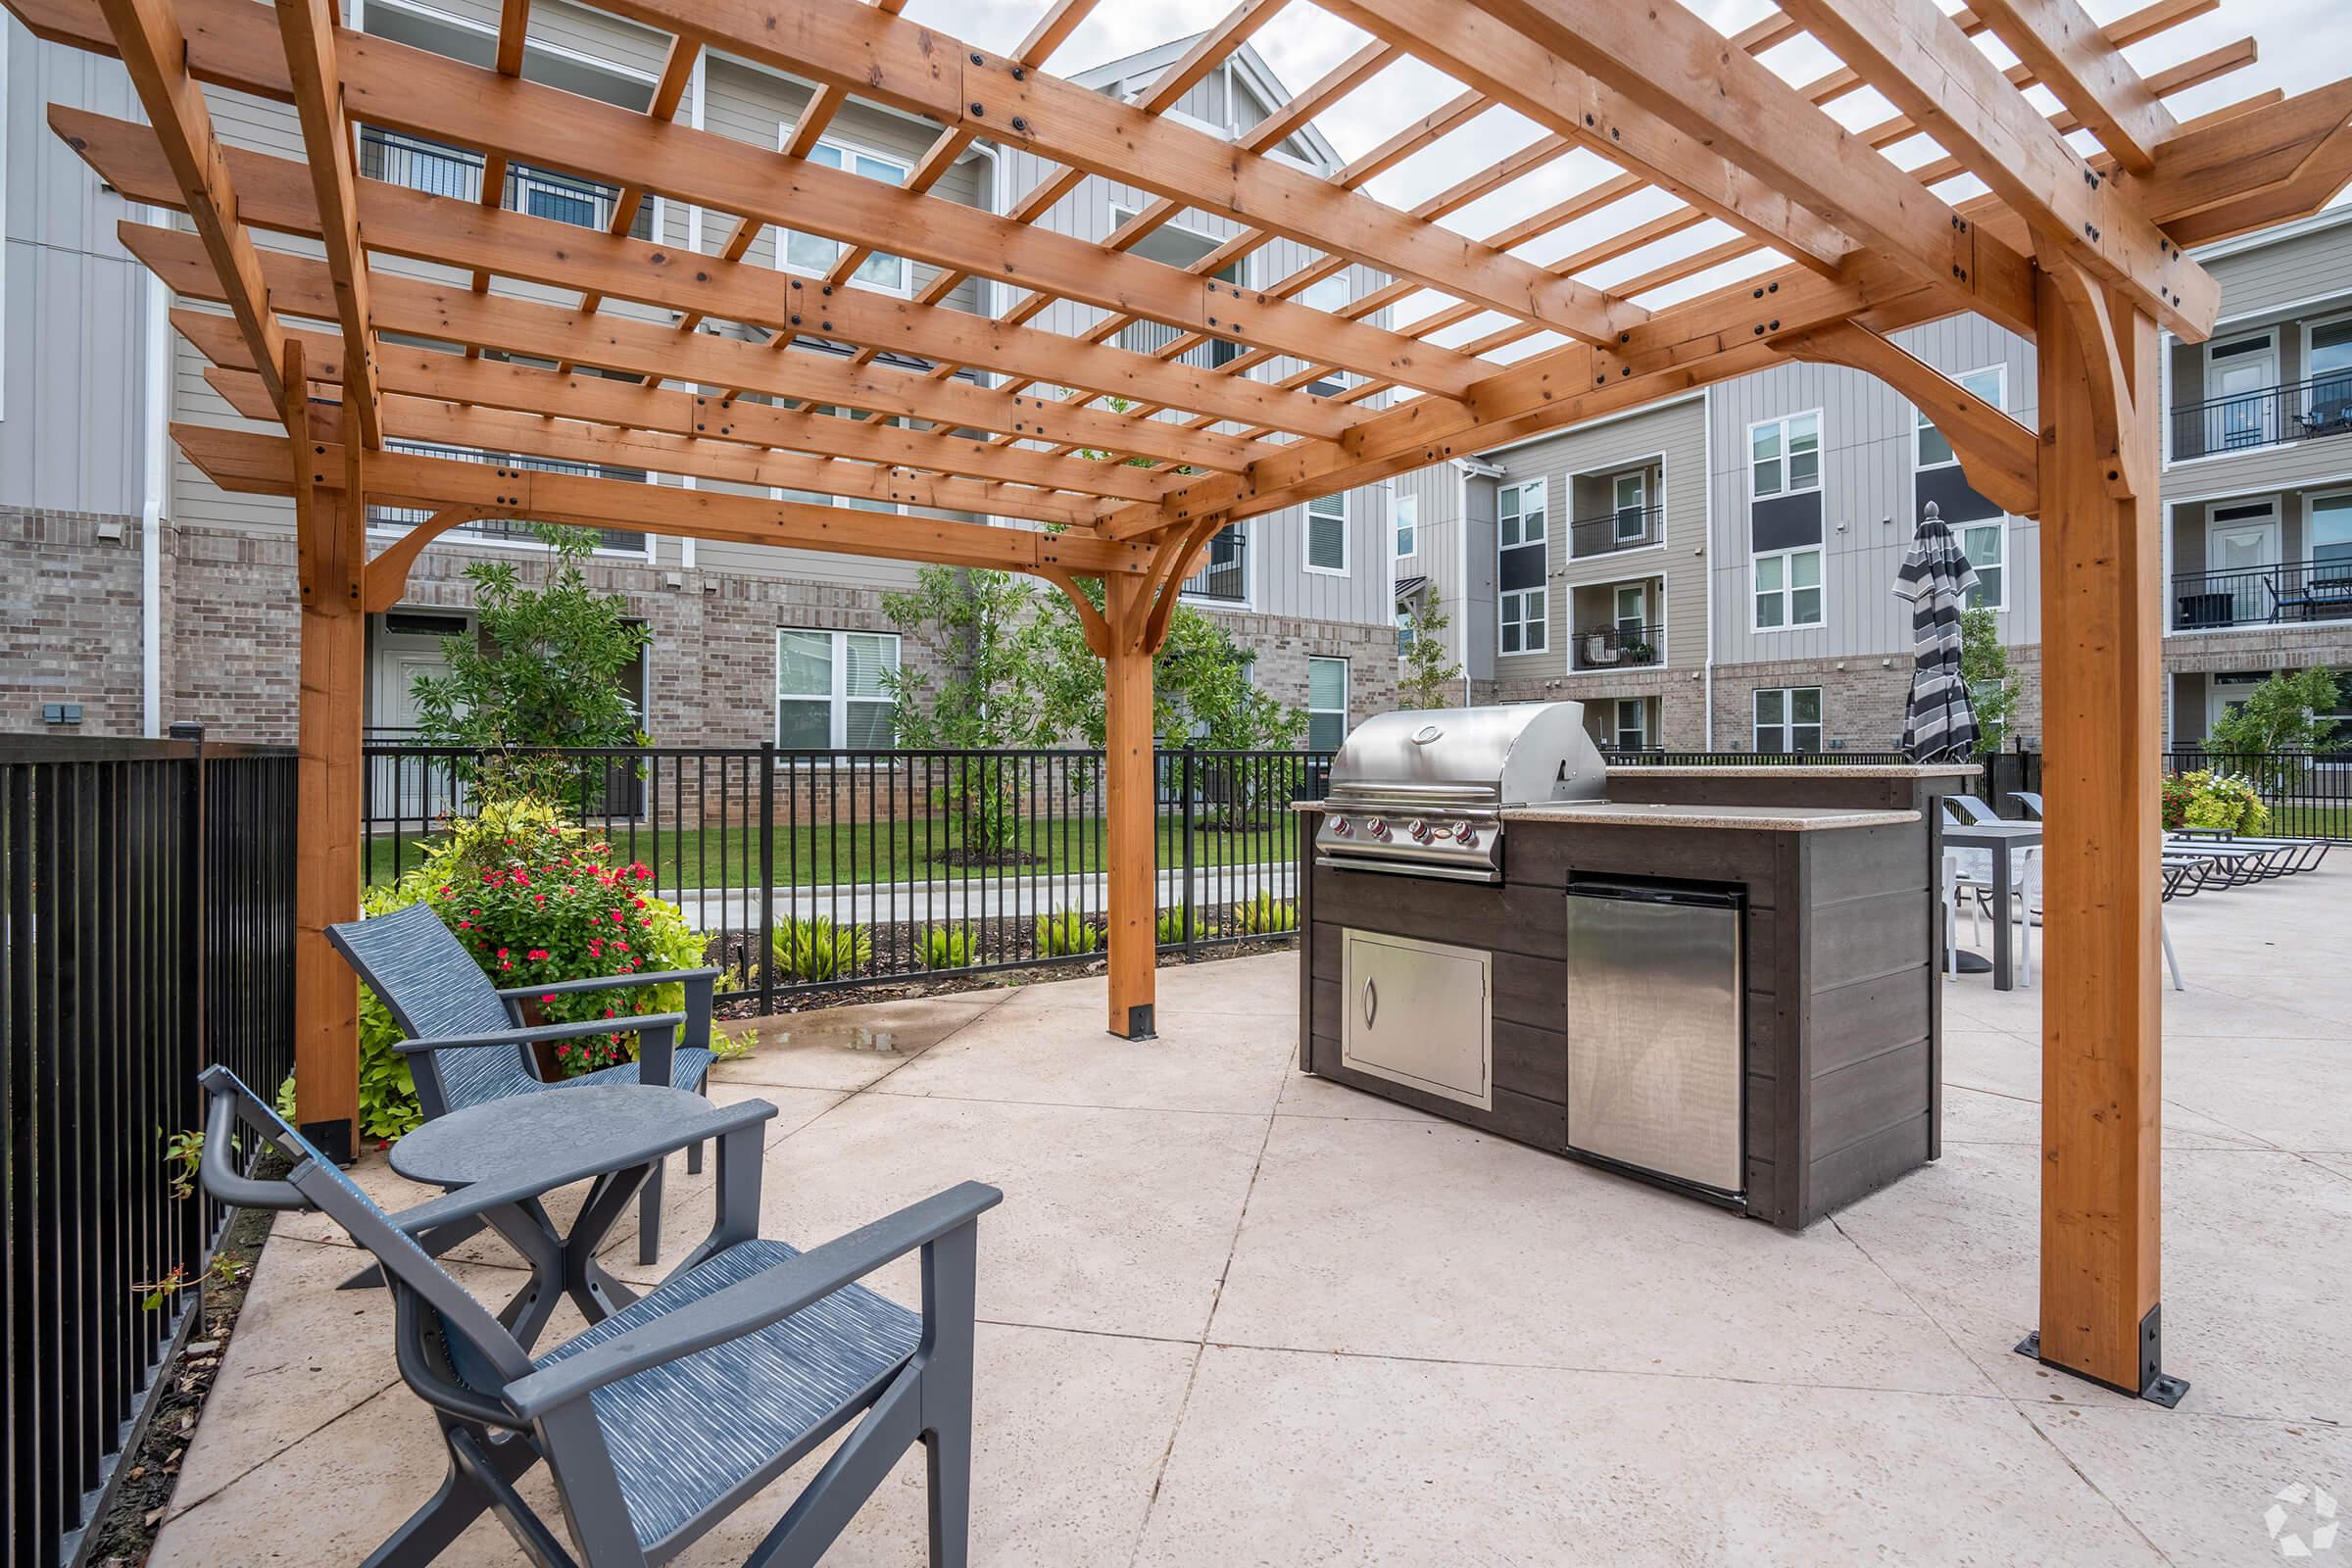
[(309, 30), (2059, 42)]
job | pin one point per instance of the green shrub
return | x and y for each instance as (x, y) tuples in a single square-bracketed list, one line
[(1065, 932), (1264, 916), (1172, 923), (819, 950), (949, 947), (2224, 800)]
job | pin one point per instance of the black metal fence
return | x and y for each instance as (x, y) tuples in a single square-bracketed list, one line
[(2268, 417), (146, 928), (2309, 792), (2289, 593), (832, 869), (1663, 758)]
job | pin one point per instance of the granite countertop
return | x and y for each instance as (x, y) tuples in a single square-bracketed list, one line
[(1807, 771), (1753, 818)]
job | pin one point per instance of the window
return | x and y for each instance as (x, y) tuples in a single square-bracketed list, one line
[(2328, 405), (1326, 703), (1986, 546), (1784, 455), (1929, 450), (2331, 531), (1628, 492), (1787, 589), (830, 690), (815, 255), (1523, 625), (1404, 628), (1408, 523), (1633, 724), (1327, 534), (1328, 293), (1788, 719)]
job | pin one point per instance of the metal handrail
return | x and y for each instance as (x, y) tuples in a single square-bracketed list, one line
[(2288, 594), (1607, 533), (2268, 417), (1619, 647)]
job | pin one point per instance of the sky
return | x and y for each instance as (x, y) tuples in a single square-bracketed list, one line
[(2300, 43)]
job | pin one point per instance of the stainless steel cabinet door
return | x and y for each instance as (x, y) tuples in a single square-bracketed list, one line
[(1655, 1076), (1415, 1014)]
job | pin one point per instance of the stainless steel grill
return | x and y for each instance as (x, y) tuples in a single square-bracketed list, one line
[(1421, 792)]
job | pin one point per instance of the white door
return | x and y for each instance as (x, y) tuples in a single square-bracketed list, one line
[(2225, 692), (2241, 548), (411, 789), (2240, 378)]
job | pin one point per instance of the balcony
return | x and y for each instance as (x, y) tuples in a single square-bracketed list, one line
[(1625, 529), (1624, 646), (2285, 595), (1226, 576), (507, 529), (442, 171), (2269, 416)]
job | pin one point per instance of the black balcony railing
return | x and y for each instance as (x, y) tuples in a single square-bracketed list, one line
[(442, 171), (1625, 529), (506, 528), (1225, 574), (1619, 647), (2263, 596), (2269, 416)]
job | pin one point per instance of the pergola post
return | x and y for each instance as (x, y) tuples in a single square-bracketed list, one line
[(1131, 803), (328, 737), (2102, 1018)]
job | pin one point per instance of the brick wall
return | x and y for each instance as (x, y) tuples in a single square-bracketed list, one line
[(70, 620), (1680, 700), (1281, 646)]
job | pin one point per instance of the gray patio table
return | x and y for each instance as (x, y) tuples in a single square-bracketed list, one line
[(512, 1140), (2004, 840)]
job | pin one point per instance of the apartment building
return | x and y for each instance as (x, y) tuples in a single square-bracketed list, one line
[(133, 593), (1572, 566)]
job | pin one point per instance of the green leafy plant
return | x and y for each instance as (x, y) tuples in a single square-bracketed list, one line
[(1430, 679), (183, 1155), (2223, 800), (1985, 670), (1264, 914), (2282, 714), (1065, 932), (544, 669), (1172, 927), (817, 948), (949, 947)]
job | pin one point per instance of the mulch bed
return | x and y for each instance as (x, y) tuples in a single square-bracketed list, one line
[(127, 1534)]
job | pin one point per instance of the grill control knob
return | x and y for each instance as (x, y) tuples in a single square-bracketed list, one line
[(1465, 832), (1376, 828), (1341, 828), (1419, 831)]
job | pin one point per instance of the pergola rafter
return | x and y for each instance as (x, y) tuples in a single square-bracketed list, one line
[(1101, 461)]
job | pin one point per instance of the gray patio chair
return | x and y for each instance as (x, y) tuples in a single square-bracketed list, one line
[(468, 1042), (665, 1417), (2028, 802), (2288, 855), (1967, 809)]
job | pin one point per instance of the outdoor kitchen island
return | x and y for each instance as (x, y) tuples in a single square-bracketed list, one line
[(1737, 998)]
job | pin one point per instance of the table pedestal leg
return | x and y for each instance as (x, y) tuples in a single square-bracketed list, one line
[(598, 1293), (528, 1230)]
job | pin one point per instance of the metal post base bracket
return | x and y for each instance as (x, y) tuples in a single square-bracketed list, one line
[(332, 1140), (2159, 1389), (1139, 1024)]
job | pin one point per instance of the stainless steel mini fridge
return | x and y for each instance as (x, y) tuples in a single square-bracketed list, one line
[(1654, 1030)]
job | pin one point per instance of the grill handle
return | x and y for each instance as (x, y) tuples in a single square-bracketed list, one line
[(1371, 1002)]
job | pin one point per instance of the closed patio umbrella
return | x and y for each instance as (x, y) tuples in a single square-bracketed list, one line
[(1938, 725)]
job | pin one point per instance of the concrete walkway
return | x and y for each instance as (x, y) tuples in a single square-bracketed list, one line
[(1234, 1316)]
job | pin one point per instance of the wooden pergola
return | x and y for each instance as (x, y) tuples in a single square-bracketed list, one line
[(2067, 227)]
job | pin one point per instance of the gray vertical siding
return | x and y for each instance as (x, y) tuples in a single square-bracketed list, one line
[(1867, 465), (71, 436)]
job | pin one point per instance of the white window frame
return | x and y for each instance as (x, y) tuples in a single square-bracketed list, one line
[(1347, 690), (2311, 329), (1346, 519), (848, 149), (2312, 502), (1788, 726), (1617, 508), (1405, 518), (837, 702), (1787, 590), (1337, 281), (1919, 422), (3, 217), (1641, 706), (1820, 456), (1534, 622), (1960, 531)]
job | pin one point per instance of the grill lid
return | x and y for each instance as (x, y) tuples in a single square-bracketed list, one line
[(1515, 755)]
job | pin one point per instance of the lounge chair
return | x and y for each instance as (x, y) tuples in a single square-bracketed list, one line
[(663, 1420), (468, 1042)]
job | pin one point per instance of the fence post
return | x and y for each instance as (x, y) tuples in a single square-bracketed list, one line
[(1187, 777), (768, 877)]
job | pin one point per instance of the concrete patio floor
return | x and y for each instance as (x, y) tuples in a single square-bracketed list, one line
[(1236, 1316)]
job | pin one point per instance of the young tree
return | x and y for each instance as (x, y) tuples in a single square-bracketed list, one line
[(976, 627), (1985, 669), (544, 669), (1200, 684), (2282, 714), (1429, 678)]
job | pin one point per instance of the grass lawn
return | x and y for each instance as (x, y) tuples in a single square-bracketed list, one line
[(891, 852)]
